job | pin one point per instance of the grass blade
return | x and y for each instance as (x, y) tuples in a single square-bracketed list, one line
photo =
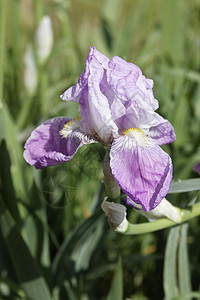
[(183, 186), (170, 272), (25, 268), (183, 264), (116, 290)]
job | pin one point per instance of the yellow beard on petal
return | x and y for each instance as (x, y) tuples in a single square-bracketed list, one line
[(138, 135), (69, 127)]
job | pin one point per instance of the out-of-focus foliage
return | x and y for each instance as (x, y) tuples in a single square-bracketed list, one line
[(54, 240)]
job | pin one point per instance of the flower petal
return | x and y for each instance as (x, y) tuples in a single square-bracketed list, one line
[(142, 169), (162, 132), (46, 147), (98, 106), (129, 84), (74, 92), (197, 168), (164, 209), (95, 98), (154, 126)]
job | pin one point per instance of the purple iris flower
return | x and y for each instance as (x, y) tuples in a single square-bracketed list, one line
[(117, 108), (197, 168)]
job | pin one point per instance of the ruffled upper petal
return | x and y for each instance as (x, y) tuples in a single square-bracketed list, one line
[(74, 92), (98, 105), (141, 168), (129, 84), (46, 146), (95, 98), (112, 94)]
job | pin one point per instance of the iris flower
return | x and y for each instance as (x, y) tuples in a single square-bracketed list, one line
[(197, 168), (117, 108)]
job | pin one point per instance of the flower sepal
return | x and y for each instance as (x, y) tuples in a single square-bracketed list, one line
[(164, 210), (116, 214)]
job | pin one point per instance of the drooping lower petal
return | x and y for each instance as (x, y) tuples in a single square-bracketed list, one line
[(141, 168), (48, 145)]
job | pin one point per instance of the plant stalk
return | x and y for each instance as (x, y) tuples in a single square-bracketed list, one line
[(2, 44), (186, 215)]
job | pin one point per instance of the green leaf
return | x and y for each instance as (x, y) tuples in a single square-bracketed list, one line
[(8, 191), (2, 45), (111, 10), (172, 33), (127, 32), (170, 272), (116, 290), (187, 185), (69, 243), (32, 230), (86, 246), (16, 154), (24, 265), (35, 225), (69, 292), (194, 295), (183, 264), (3, 131)]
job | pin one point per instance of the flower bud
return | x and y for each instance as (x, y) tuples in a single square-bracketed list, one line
[(116, 214), (44, 39), (30, 72)]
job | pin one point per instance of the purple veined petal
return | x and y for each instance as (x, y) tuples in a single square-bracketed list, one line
[(162, 132), (141, 168), (117, 107), (197, 168), (154, 126), (128, 201), (48, 146), (129, 84), (95, 98), (146, 85), (74, 92), (98, 105), (95, 101)]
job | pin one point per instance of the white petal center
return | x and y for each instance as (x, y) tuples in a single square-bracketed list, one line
[(138, 135), (69, 127)]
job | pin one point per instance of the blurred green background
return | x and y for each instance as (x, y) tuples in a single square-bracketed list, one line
[(55, 242)]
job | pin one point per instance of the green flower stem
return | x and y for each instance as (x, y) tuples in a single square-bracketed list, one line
[(2, 43), (186, 214), (111, 186)]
